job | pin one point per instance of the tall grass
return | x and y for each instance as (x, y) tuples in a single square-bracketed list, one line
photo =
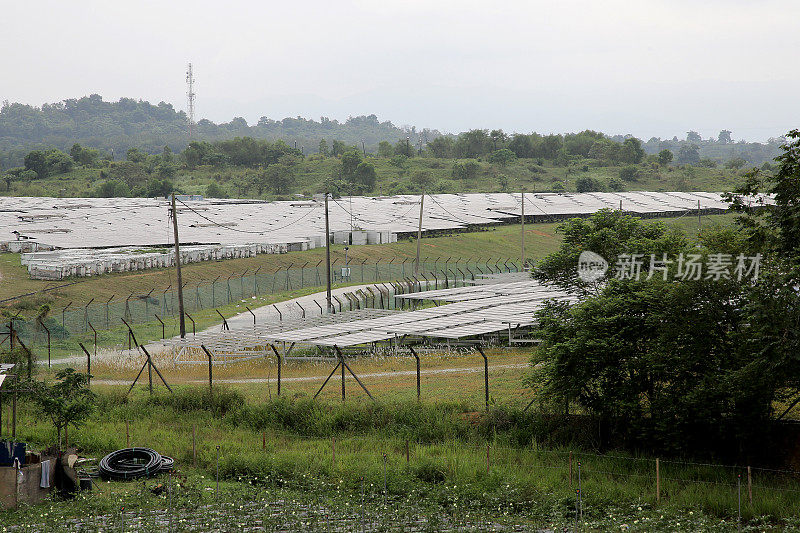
[(291, 442)]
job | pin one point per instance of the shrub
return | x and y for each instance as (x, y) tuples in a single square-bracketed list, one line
[(616, 185), (629, 173), (587, 184)]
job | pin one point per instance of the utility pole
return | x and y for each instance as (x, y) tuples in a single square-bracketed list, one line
[(522, 221), (328, 252), (419, 231), (178, 266), (699, 219)]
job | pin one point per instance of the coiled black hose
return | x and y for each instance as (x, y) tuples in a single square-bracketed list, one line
[(131, 463)]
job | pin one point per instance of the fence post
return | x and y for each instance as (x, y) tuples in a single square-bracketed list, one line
[(255, 281), (658, 482), (107, 304), (739, 496), (63, 311), (580, 492), (210, 377), (570, 469), (749, 486)]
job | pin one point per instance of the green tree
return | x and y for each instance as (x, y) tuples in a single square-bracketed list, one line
[(664, 157), (724, 137), (280, 176), (629, 173), (588, 184), (735, 163), (157, 188), (66, 402), (422, 179), (215, 191), (631, 151), (609, 234), (502, 157), (350, 162), (498, 137), (773, 225), (693, 137), (338, 148), (441, 147), (9, 179), (365, 176), (112, 189), (37, 162), (403, 147), (688, 154), (75, 152), (323, 148), (466, 170), (134, 155), (473, 143), (385, 149)]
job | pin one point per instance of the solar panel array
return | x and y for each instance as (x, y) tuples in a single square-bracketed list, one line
[(109, 222), (475, 311)]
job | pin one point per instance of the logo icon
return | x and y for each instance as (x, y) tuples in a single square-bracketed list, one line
[(591, 267)]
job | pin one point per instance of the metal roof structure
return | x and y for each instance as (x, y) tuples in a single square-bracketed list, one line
[(117, 222)]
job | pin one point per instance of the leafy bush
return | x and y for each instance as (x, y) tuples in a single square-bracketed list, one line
[(629, 173), (588, 184), (616, 185)]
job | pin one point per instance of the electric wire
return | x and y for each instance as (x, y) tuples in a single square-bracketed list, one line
[(222, 226)]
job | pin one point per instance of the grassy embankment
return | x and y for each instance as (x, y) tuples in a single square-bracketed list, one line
[(311, 174)]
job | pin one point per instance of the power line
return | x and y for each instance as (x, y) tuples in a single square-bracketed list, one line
[(244, 230)]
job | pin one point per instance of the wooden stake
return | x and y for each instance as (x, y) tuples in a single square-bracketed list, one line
[(570, 469), (749, 486), (407, 456), (658, 481), (264, 440)]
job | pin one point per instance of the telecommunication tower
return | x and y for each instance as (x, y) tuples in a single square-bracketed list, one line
[(190, 94)]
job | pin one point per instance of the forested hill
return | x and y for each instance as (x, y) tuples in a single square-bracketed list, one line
[(115, 127), (128, 123)]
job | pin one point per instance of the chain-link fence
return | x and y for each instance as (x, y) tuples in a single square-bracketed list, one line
[(162, 303)]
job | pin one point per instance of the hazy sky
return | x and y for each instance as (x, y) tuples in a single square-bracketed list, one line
[(646, 67)]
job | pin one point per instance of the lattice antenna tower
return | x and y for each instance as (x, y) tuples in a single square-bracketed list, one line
[(190, 95)]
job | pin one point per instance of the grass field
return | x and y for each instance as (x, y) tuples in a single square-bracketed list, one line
[(298, 464)]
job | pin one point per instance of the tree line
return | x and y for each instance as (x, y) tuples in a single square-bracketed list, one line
[(674, 357)]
